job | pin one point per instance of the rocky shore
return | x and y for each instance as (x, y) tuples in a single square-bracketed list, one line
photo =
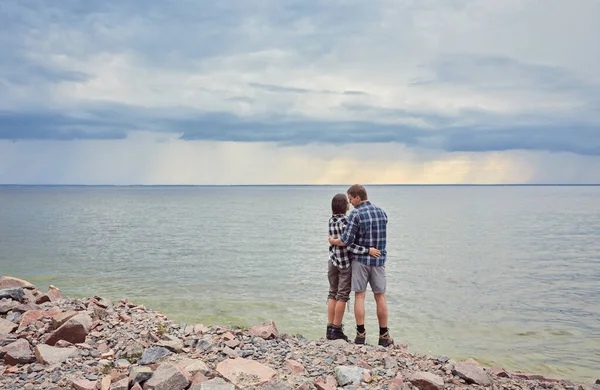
[(48, 341)]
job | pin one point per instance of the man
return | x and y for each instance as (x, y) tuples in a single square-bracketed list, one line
[(366, 227)]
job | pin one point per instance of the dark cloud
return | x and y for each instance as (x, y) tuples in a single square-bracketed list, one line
[(181, 34), (114, 122)]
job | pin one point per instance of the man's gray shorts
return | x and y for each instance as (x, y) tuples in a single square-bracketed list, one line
[(363, 274)]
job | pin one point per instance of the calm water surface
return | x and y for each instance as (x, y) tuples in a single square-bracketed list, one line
[(507, 275)]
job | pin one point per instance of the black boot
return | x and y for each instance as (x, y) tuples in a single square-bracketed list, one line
[(338, 333), (328, 333)]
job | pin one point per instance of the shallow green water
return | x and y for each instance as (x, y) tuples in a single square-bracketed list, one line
[(507, 275)]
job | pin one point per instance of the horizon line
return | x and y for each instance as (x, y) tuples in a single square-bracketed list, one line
[(312, 185)]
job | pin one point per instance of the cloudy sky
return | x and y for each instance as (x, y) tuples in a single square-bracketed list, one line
[(299, 91)]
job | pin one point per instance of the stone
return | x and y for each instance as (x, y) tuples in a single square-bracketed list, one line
[(84, 384), (172, 343), (74, 330), (123, 384), (14, 293), (9, 282), (140, 374), (472, 374), (167, 377), (214, 384), (59, 319), (498, 371), (106, 382), (277, 385), (195, 366), (325, 384), (35, 315), (295, 367), (267, 330), (7, 327), (245, 373), (346, 375), (153, 354), (18, 352), (7, 305), (46, 354), (426, 381)]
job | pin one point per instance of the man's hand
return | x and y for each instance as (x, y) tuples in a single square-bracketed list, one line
[(336, 241), (374, 252)]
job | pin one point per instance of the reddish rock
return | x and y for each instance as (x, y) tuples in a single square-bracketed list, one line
[(326, 384), (84, 384), (426, 381), (106, 382), (35, 315), (63, 344), (7, 327), (267, 330), (498, 371), (10, 282), (245, 373), (74, 330), (295, 367), (199, 329), (166, 376), (46, 354), (18, 352)]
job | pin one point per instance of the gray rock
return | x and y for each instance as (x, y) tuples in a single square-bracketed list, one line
[(14, 293), (349, 375), (472, 374), (153, 354), (214, 384), (140, 374), (389, 363)]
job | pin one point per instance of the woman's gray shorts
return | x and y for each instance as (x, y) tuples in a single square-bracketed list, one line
[(363, 274)]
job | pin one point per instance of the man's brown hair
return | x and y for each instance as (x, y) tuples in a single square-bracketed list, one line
[(339, 204), (358, 190)]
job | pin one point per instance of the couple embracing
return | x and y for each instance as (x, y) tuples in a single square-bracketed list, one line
[(357, 255)]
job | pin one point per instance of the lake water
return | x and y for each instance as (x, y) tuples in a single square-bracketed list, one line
[(508, 275)]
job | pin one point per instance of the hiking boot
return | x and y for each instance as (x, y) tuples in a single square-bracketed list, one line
[(360, 337), (338, 333), (385, 339), (329, 330)]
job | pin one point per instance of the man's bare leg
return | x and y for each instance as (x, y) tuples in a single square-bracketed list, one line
[(359, 307), (382, 311)]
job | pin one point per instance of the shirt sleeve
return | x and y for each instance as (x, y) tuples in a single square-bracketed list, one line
[(351, 229), (354, 248)]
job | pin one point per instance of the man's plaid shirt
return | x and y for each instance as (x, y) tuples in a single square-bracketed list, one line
[(367, 225), (339, 255)]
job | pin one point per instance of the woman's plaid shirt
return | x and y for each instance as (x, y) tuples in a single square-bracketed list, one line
[(339, 255)]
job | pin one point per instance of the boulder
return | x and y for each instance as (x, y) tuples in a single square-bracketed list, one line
[(74, 330), (46, 354), (18, 352), (426, 381), (7, 327), (245, 373), (346, 375), (472, 374), (267, 330), (167, 377), (8, 282), (14, 293)]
